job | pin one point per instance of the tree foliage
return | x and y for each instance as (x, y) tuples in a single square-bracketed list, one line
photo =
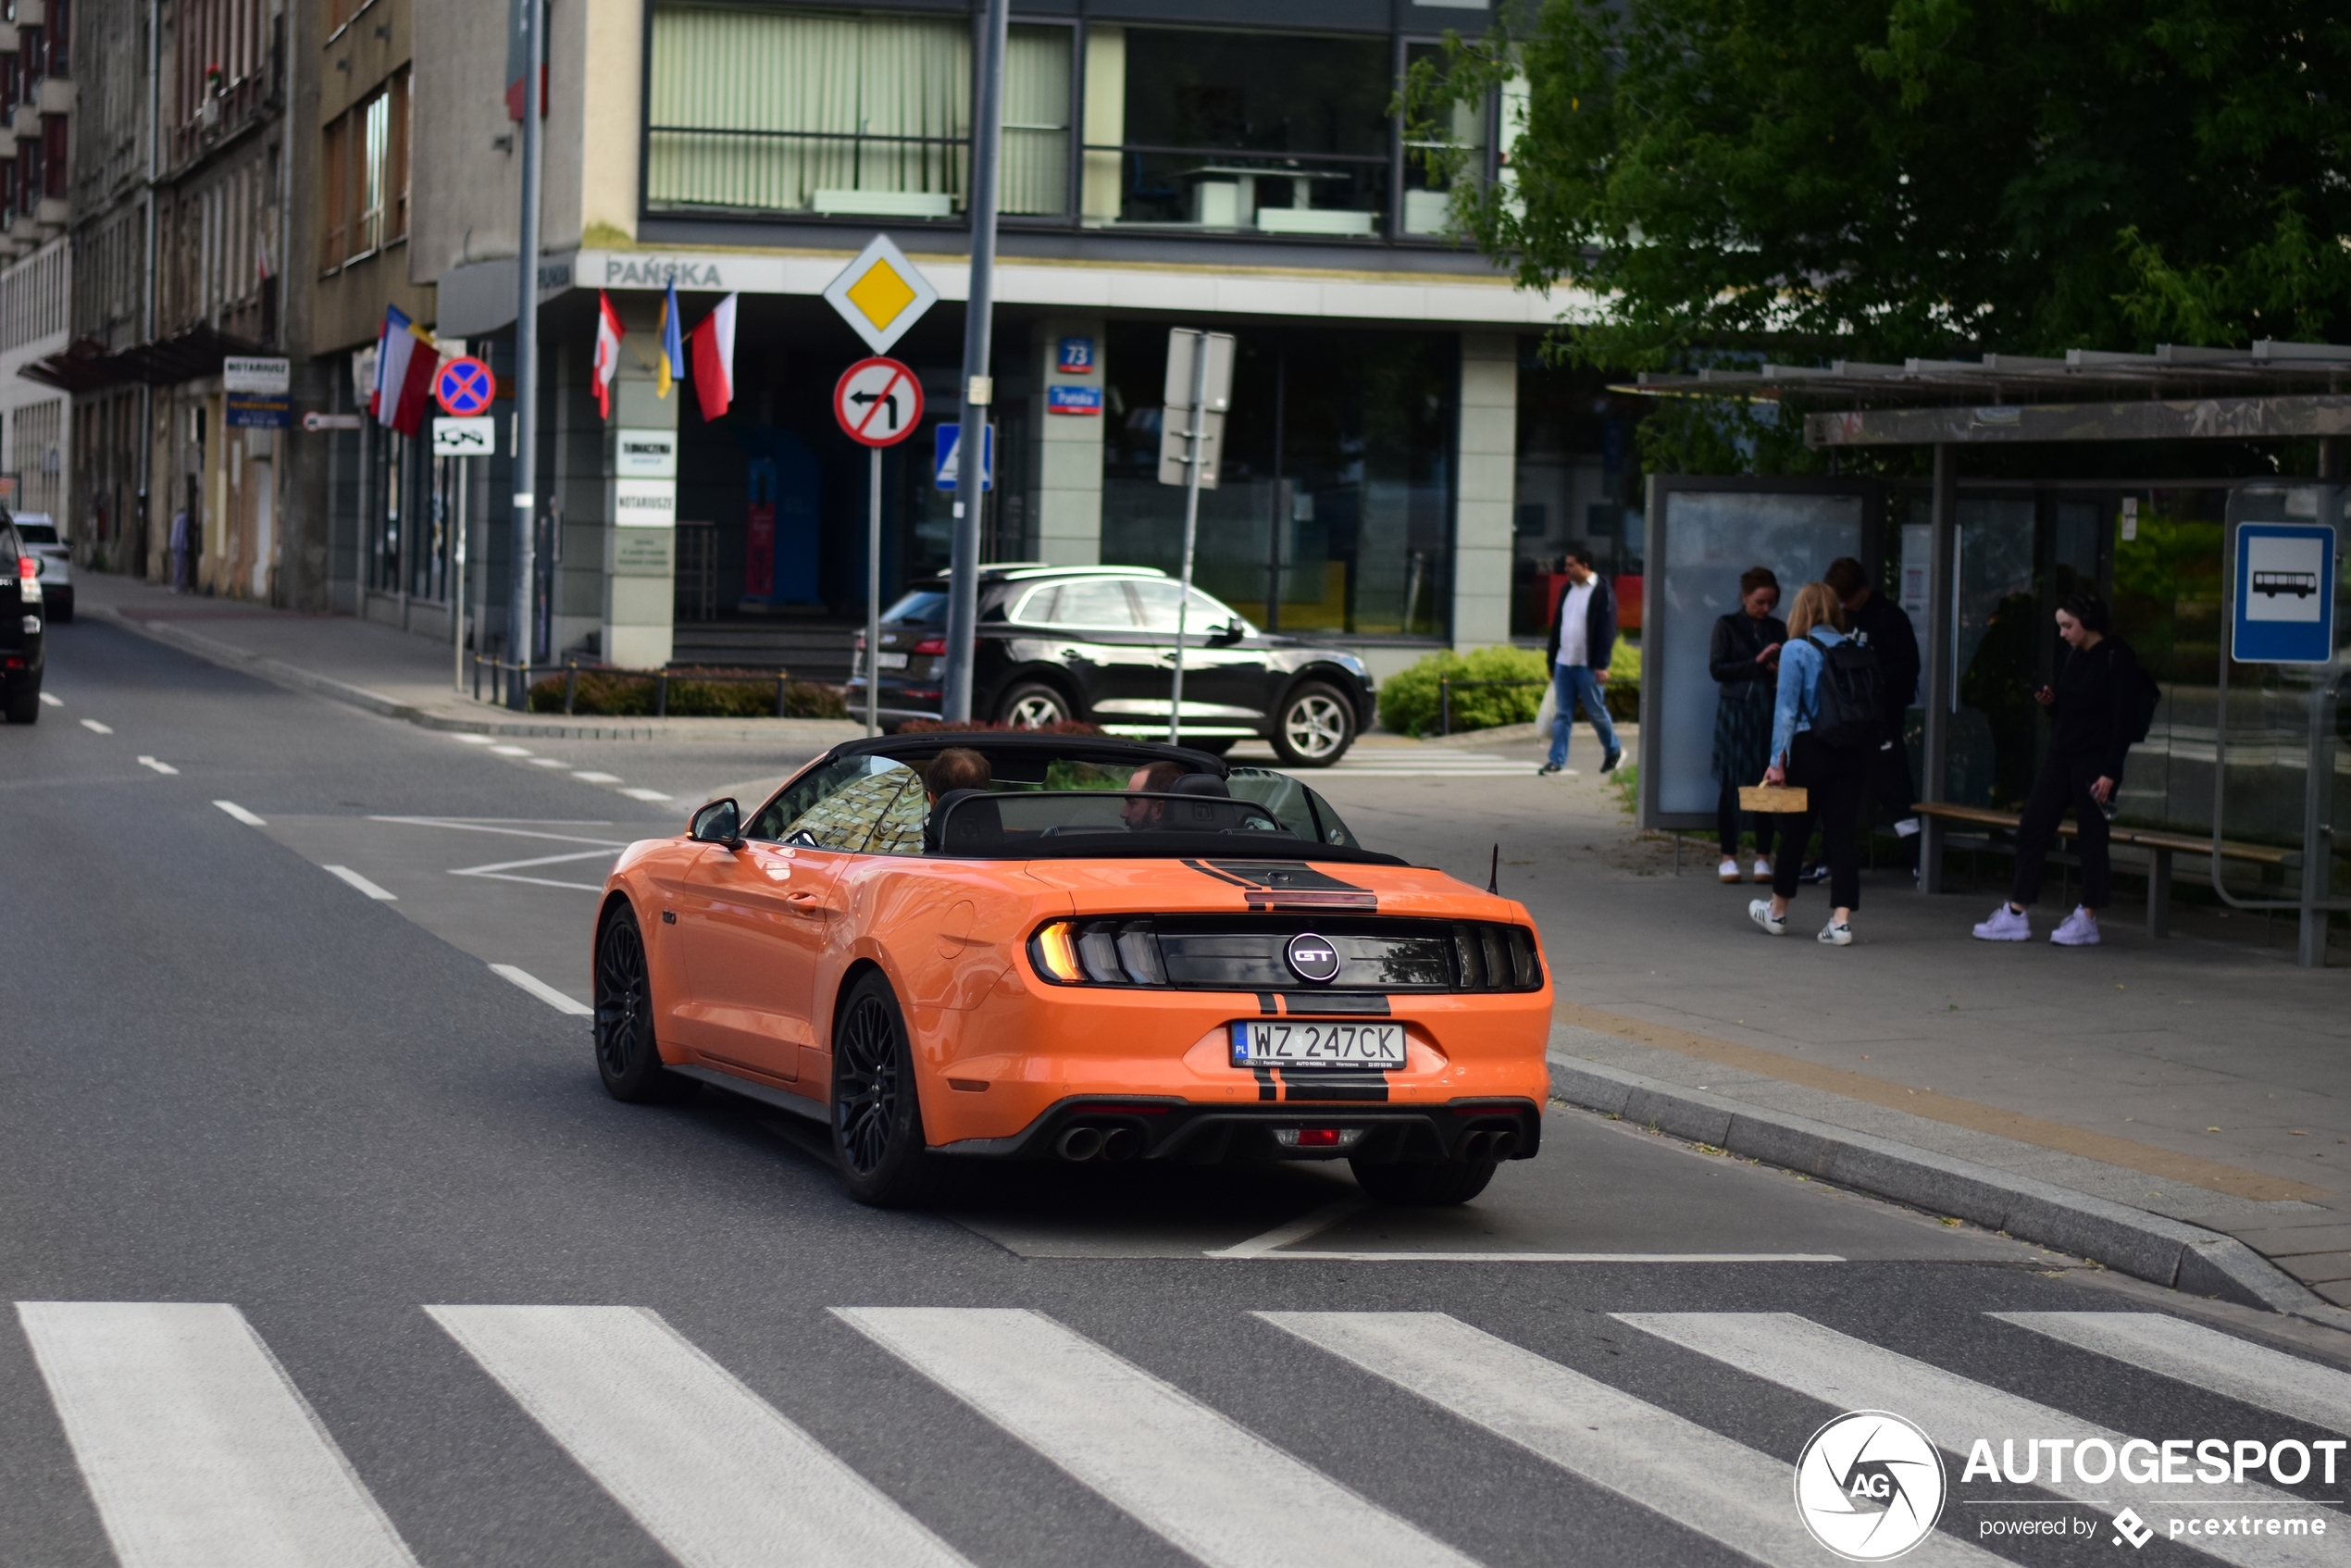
[(1820, 179)]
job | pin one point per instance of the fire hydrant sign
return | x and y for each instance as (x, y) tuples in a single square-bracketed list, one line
[(880, 295), (878, 402), (2284, 594)]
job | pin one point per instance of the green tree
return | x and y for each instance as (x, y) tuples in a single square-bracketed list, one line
[(1815, 178)]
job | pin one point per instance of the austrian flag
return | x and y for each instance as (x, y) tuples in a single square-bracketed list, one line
[(714, 356), (405, 360)]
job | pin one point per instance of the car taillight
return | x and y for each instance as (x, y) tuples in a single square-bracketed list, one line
[(933, 646), (1497, 958), (1101, 953), (28, 566)]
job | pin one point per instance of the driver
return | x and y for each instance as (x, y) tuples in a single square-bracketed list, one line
[(957, 768), (1141, 816)]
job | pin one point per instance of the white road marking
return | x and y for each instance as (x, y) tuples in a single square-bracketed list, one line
[(508, 752), (645, 795), (1298, 1229), (159, 766), (198, 1451), (240, 813), (507, 828), (1540, 1257), (2204, 1358), (542, 990), (549, 762), (93, 725), (597, 778), (1848, 1374), (361, 883), (1207, 1486), (1699, 1479), (51, 697), (503, 871), (713, 1472), (473, 739)]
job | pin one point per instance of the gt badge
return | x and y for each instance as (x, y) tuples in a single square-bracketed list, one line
[(1312, 957)]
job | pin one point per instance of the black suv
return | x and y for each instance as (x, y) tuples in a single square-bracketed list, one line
[(1098, 645), (20, 622)]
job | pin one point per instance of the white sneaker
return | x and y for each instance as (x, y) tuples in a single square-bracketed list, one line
[(1837, 934), (1729, 871), (2006, 925), (2080, 929), (1763, 869), (1759, 910)]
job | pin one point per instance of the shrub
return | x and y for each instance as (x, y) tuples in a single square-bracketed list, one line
[(629, 694), (1408, 700)]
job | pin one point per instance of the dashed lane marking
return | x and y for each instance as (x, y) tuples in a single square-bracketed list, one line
[(597, 778), (361, 883), (549, 762), (464, 740), (51, 697), (542, 990), (509, 751), (163, 768), (240, 813), (642, 794), (94, 727)]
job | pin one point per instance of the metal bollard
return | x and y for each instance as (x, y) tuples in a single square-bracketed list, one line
[(779, 692), (571, 685), (661, 695), (1444, 705)]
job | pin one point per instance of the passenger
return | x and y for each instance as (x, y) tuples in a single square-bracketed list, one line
[(1159, 778), (2091, 704), (1745, 660), (1885, 628), (1833, 775), (957, 768)]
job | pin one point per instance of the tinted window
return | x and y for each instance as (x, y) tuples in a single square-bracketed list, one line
[(37, 533), (922, 604), (1158, 600)]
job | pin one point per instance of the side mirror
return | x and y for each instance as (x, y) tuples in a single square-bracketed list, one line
[(1227, 635), (720, 822)]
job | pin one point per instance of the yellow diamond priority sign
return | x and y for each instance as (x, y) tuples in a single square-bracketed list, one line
[(880, 295)]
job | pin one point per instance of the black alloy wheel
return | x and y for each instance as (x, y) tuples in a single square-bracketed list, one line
[(877, 1122), (1406, 1185), (626, 1058)]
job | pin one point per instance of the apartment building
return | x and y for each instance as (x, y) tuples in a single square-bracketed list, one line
[(37, 59), (1399, 472)]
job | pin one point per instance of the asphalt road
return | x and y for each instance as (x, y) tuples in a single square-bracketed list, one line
[(328, 1249)]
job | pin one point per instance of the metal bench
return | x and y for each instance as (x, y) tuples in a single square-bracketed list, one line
[(2161, 847)]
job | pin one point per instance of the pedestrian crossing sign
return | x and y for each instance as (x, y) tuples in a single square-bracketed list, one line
[(880, 295)]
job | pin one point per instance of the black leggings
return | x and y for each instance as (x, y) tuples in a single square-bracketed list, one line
[(1834, 781), (2063, 786), (1726, 824)]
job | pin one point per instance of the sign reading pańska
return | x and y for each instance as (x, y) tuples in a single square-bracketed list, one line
[(880, 295)]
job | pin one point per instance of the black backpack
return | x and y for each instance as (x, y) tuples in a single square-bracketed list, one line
[(1845, 714)]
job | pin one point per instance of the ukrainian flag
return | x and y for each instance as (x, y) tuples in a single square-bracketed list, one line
[(672, 363)]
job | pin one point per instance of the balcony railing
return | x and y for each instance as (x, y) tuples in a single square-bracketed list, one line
[(1327, 195)]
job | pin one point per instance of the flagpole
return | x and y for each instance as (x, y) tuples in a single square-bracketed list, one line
[(521, 638)]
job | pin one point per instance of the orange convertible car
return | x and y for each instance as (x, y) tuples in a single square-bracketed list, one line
[(1052, 947)]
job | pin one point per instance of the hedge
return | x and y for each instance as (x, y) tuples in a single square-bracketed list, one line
[(626, 693), (1408, 700)]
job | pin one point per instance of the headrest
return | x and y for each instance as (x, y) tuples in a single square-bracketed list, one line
[(966, 826), (1199, 784)]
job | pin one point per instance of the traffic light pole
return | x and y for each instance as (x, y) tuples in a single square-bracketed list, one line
[(978, 388)]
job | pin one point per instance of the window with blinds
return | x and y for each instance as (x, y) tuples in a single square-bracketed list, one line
[(811, 112)]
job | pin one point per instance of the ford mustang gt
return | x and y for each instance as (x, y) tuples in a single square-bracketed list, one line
[(1033, 947)]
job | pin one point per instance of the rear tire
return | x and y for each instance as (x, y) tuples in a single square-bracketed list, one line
[(1032, 704), (627, 1057), (25, 707), (1313, 727), (61, 610), (876, 1118), (1456, 1181)]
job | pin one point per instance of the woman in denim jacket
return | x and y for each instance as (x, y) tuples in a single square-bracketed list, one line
[(1834, 778)]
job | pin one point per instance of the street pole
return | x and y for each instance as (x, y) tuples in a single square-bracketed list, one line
[(1191, 528), (526, 569), (457, 588), (873, 592), (978, 388)]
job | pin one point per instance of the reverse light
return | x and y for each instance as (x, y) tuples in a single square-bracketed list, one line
[(1318, 1137)]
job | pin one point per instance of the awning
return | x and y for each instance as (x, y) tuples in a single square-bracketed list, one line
[(88, 364)]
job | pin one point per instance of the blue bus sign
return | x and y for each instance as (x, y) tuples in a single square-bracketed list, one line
[(2284, 609)]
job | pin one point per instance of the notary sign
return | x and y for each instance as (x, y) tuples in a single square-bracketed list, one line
[(2285, 610), (254, 389)]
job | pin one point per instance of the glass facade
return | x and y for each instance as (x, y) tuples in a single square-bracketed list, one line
[(1576, 484), (1334, 507)]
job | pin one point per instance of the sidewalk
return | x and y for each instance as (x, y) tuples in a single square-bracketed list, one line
[(393, 672)]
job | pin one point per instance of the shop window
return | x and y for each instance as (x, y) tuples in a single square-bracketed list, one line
[(1333, 512), (772, 111), (1576, 482), (1258, 132)]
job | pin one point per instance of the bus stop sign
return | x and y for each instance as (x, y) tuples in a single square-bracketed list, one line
[(2284, 609)]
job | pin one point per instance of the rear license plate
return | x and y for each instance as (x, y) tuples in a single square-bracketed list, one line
[(1316, 1042), (893, 661)]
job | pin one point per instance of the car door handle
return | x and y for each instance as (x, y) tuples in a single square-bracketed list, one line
[(805, 902)]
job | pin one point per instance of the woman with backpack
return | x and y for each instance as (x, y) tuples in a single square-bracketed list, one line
[(1823, 735), (2099, 707)]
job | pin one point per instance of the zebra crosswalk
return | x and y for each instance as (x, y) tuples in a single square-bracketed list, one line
[(199, 1452)]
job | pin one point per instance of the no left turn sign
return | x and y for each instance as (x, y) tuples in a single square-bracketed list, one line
[(878, 402)]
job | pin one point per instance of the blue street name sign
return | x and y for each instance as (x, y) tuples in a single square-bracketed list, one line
[(944, 458), (1074, 400), (2285, 610)]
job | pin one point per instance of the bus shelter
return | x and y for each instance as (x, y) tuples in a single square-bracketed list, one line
[(2234, 590)]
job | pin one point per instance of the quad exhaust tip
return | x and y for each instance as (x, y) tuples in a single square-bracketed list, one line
[(1080, 1144)]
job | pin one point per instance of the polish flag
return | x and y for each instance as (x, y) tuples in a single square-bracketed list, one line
[(714, 354), (405, 360), (609, 333)]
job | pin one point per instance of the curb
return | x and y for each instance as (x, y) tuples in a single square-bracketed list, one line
[(2150, 1246), (278, 672)]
